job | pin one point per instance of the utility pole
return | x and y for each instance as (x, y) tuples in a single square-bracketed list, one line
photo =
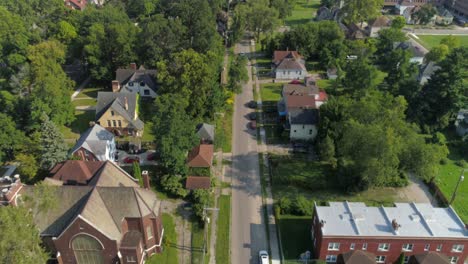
[(206, 219), (462, 177)]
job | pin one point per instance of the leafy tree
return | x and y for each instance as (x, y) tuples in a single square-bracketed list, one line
[(437, 53), (65, 32), (28, 166), (360, 75), (451, 42), (172, 184), (328, 3), (239, 22), (174, 132), (137, 173), (237, 73), (10, 137), (358, 11), (20, 241), (159, 38), (53, 147), (424, 14), (261, 18), (400, 70), (385, 40), (284, 7), (327, 150), (445, 93), (398, 23), (201, 199), (303, 206)]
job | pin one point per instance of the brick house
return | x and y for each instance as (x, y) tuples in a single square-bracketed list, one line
[(112, 220), (387, 232)]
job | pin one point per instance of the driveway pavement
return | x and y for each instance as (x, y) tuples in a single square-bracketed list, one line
[(247, 227)]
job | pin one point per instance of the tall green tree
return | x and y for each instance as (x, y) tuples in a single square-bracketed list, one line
[(237, 73), (53, 147), (424, 14), (174, 132), (137, 173), (399, 69), (358, 11), (261, 18), (437, 53), (28, 166), (360, 75), (19, 237), (10, 138)]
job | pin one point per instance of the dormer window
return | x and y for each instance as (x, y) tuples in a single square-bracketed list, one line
[(142, 83)]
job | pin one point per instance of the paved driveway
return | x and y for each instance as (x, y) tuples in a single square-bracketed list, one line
[(248, 234)]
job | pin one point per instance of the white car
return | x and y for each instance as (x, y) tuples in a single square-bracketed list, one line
[(263, 257)]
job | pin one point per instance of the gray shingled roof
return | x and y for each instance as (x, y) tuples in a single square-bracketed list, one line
[(116, 101), (94, 140), (206, 131), (303, 117), (414, 50), (125, 76)]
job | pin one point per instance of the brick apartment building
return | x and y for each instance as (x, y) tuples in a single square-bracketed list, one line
[(387, 232)]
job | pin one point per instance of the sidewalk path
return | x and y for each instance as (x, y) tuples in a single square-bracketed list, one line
[(80, 88)]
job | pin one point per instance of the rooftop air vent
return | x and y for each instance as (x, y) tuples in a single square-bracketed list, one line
[(414, 217)]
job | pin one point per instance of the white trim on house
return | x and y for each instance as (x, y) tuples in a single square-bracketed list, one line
[(83, 233)]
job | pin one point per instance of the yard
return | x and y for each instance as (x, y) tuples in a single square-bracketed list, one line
[(169, 254), (430, 41), (295, 235), (274, 131), (90, 92), (223, 234), (197, 243), (78, 126), (84, 102), (223, 128), (303, 12)]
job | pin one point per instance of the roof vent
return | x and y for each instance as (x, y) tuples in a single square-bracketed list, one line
[(395, 225), (414, 217), (429, 218), (358, 217)]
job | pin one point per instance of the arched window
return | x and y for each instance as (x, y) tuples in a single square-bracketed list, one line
[(87, 250)]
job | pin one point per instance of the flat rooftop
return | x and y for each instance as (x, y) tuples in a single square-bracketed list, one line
[(413, 219)]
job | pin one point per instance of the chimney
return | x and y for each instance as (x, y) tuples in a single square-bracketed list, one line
[(115, 86), (133, 66), (146, 179), (91, 123), (126, 103), (395, 225)]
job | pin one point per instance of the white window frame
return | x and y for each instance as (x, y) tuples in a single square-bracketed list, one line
[(453, 259), (406, 259), (331, 258), (439, 247), (333, 246), (383, 247), (407, 247), (149, 232), (427, 247), (131, 259), (364, 246), (380, 259), (352, 246), (458, 248)]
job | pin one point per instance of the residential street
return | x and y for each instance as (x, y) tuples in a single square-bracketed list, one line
[(247, 227)]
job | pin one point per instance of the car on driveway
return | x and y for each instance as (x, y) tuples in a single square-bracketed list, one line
[(152, 156), (263, 257), (131, 159), (252, 104), (253, 124), (253, 116)]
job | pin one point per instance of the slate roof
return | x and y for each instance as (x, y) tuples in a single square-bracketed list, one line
[(198, 182), (94, 140), (116, 101), (141, 74), (75, 170), (303, 117), (201, 156), (103, 207), (415, 51), (358, 257), (206, 132), (429, 258)]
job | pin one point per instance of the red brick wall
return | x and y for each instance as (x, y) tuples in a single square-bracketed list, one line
[(395, 246), (63, 243)]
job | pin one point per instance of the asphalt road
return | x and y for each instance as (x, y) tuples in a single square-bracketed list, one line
[(248, 234)]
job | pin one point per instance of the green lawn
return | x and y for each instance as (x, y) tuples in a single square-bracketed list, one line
[(84, 102), (223, 129), (430, 41), (303, 12), (222, 234), (90, 92), (271, 91), (197, 243), (169, 254), (147, 132), (295, 235), (78, 126)]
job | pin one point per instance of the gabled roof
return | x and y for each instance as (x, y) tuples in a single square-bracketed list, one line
[(291, 64), (76, 4), (94, 140), (103, 207), (280, 55), (358, 257), (116, 102), (76, 171), (381, 21), (415, 50), (429, 258), (141, 74), (303, 117), (198, 182), (200, 156), (206, 131), (300, 101)]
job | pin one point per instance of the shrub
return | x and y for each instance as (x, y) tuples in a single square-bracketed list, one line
[(443, 161), (200, 199), (285, 205), (173, 185), (461, 163), (302, 206)]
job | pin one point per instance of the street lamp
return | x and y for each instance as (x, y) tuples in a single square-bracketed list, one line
[(462, 177)]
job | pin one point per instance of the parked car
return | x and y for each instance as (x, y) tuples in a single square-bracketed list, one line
[(252, 104), (131, 159), (253, 124), (253, 116), (263, 257), (152, 156)]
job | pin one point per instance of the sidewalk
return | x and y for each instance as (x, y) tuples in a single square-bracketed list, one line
[(80, 88), (268, 202)]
